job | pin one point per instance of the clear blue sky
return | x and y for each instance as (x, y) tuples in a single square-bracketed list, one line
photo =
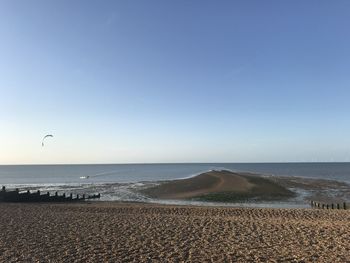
[(174, 81)]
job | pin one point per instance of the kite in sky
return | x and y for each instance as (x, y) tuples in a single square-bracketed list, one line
[(46, 136)]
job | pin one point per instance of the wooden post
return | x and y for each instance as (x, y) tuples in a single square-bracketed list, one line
[(322, 206), (48, 193), (71, 196), (77, 197), (3, 189), (64, 195), (327, 206), (56, 194), (344, 205), (338, 206), (332, 206), (83, 196), (28, 192), (38, 192)]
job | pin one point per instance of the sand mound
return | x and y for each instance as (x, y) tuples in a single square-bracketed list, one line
[(218, 186)]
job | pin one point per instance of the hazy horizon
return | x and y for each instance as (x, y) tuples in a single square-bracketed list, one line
[(174, 82), (184, 163)]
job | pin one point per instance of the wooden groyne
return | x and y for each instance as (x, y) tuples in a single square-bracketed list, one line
[(320, 205), (37, 196)]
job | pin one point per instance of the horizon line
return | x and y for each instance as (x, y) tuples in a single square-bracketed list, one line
[(154, 163)]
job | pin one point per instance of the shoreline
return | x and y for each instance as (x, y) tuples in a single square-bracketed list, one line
[(306, 189)]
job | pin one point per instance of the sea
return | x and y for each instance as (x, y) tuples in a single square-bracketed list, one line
[(121, 182)]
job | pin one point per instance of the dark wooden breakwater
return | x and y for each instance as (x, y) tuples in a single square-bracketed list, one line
[(37, 196), (320, 205)]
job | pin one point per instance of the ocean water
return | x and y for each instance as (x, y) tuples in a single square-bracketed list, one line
[(120, 181)]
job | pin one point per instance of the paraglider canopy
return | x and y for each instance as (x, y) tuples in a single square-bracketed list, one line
[(46, 136)]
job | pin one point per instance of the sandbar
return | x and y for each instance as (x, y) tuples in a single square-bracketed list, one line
[(220, 186)]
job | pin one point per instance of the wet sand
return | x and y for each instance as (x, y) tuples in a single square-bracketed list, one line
[(320, 190), (220, 186), (209, 182), (130, 232), (227, 186)]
